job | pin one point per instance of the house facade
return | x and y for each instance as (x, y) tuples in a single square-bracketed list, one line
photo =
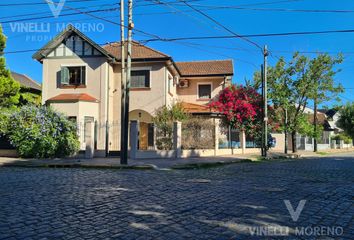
[(83, 80)]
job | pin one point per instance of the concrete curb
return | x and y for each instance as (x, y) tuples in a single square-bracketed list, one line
[(131, 167)]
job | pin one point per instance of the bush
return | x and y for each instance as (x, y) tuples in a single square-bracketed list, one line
[(163, 120), (344, 137), (42, 133)]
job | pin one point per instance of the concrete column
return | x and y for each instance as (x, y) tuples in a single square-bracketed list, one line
[(216, 136), (89, 139), (134, 134), (155, 136), (243, 141), (177, 139), (341, 144)]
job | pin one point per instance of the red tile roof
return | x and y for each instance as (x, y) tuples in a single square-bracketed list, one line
[(206, 68), (139, 51), (196, 108), (73, 97)]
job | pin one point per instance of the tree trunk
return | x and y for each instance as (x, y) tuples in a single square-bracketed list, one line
[(286, 132), (293, 141), (315, 126)]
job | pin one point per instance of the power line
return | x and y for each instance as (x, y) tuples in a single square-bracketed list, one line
[(104, 19), (64, 10), (41, 3), (221, 25), (252, 35), (62, 15)]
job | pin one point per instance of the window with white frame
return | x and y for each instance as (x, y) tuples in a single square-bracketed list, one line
[(140, 79), (204, 91)]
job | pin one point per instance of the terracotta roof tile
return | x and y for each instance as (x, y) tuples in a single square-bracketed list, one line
[(139, 51), (73, 97), (206, 68), (196, 108)]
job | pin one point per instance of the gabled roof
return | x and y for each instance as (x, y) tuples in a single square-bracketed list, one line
[(73, 98), (206, 68), (57, 40), (26, 81), (139, 52)]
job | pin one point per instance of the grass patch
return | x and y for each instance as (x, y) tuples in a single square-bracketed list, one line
[(322, 153)]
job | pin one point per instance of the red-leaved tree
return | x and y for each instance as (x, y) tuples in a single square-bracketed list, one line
[(242, 107)]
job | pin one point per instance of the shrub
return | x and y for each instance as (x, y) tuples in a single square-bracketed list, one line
[(163, 120), (344, 137), (42, 133)]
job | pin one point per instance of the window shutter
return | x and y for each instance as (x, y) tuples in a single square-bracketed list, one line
[(64, 75)]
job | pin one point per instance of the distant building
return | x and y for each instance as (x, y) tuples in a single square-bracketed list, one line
[(27, 82)]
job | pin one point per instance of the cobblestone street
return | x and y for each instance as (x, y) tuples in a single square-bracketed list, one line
[(230, 202)]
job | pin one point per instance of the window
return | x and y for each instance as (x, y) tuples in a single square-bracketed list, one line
[(204, 91), (74, 76), (140, 79), (72, 118)]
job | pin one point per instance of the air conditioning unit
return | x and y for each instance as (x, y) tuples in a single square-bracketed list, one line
[(183, 83)]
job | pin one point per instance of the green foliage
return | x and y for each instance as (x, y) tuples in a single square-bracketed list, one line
[(346, 119), (343, 137), (41, 132), (292, 85), (9, 88), (163, 120), (27, 97), (306, 128)]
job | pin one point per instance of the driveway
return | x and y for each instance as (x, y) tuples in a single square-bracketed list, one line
[(240, 201)]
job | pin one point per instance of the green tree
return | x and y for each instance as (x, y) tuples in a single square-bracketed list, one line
[(346, 119), (321, 74), (292, 85), (163, 120), (9, 88)]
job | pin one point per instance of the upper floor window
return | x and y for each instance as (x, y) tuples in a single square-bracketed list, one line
[(204, 91), (73, 76), (140, 79)]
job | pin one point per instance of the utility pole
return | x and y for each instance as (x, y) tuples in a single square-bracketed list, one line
[(128, 78), (123, 155), (262, 87), (265, 99)]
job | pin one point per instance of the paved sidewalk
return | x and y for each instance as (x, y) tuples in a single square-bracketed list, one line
[(163, 163), (132, 164)]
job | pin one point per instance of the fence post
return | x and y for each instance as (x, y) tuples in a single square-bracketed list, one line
[(243, 141), (216, 136), (177, 139), (134, 131)]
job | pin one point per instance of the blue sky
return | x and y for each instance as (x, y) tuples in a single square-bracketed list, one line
[(184, 22)]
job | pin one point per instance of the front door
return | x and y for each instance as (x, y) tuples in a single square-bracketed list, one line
[(143, 136)]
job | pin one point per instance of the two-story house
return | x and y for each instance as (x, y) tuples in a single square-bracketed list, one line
[(83, 80)]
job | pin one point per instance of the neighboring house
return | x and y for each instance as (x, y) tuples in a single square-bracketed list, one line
[(27, 82), (30, 89), (83, 80)]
